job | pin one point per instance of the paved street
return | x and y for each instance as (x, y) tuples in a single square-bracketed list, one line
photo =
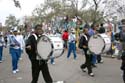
[(64, 69)]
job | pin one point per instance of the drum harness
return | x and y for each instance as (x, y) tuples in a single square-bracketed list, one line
[(39, 58)]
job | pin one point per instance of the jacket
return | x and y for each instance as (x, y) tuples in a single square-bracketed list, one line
[(33, 43), (65, 36)]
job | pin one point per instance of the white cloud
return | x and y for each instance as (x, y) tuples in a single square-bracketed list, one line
[(7, 7)]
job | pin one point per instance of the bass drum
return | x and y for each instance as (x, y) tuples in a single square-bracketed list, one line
[(48, 47), (99, 43)]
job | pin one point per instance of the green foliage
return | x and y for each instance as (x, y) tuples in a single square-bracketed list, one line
[(52, 8), (11, 21)]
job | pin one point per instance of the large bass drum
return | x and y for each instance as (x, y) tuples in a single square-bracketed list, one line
[(49, 47), (99, 43)]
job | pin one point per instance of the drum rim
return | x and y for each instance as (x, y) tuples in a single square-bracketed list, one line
[(51, 48), (98, 35)]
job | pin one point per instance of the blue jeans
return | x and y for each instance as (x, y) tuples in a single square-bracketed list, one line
[(52, 60), (15, 54), (94, 58), (72, 47), (1, 52), (20, 52)]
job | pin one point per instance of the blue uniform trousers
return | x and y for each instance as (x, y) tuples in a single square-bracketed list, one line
[(15, 54), (1, 52), (72, 47)]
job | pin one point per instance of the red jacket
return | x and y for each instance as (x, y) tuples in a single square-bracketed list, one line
[(65, 36)]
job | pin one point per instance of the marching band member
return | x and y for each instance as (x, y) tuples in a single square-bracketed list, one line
[(122, 40), (87, 64), (14, 50), (37, 65), (21, 41), (72, 45), (2, 43)]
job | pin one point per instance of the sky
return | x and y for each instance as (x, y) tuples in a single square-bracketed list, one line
[(7, 7)]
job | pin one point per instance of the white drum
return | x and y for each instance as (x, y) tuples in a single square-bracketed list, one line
[(100, 43), (48, 46)]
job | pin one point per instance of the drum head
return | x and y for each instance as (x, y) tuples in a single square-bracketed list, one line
[(96, 44), (44, 47), (99, 43), (57, 44)]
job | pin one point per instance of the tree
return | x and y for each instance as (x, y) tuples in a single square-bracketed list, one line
[(17, 3), (115, 8), (94, 11), (53, 8), (11, 21)]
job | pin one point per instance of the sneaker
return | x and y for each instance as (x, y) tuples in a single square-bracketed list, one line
[(17, 70), (113, 56), (14, 72), (101, 61), (84, 70), (1, 61), (20, 58), (53, 63), (59, 82), (91, 74)]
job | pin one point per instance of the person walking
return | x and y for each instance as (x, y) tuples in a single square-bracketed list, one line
[(2, 44), (65, 38), (14, 50), (122, 40), (84, 38), (37, 65), (22, 43), (72, 45)]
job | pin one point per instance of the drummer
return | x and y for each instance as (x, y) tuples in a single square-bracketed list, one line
[(85, 37), (92, 31), (37, 65), (122, 39)]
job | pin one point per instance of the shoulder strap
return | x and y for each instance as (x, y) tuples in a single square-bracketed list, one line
[(85, 37), (35, 36)]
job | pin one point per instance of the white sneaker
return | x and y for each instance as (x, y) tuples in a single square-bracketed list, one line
[(101, 61), (20, 58), (84, 70), (14, 72), (17, 70), (91, 74), (59, 82), (53, 63), (1, 61), (113, 56)]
